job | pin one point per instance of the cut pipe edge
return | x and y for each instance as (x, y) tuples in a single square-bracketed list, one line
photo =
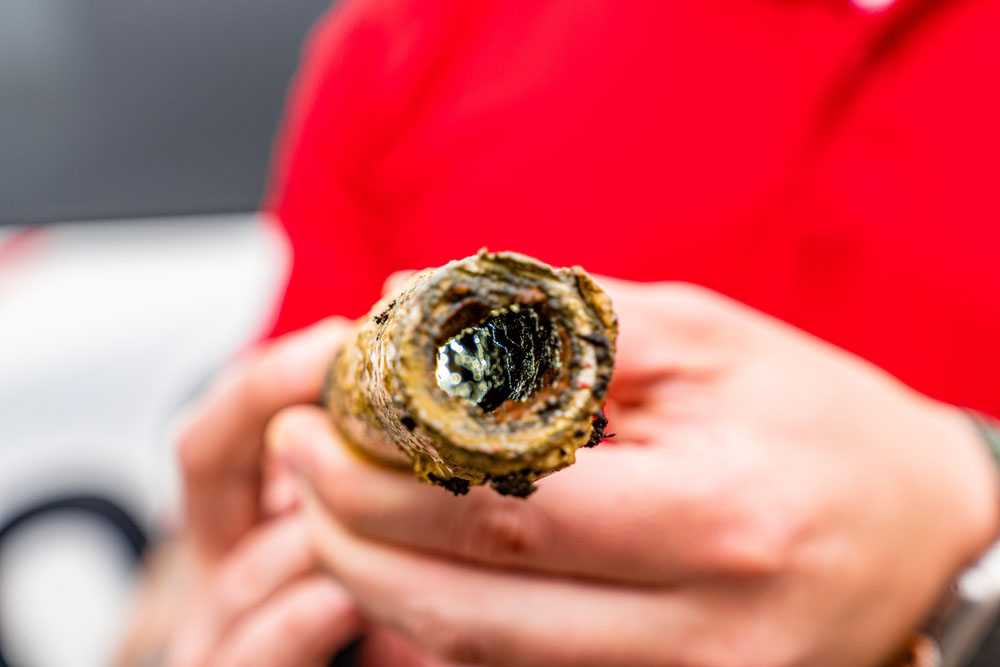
[(548, 374)]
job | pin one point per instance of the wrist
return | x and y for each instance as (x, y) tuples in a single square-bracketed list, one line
[(974, 478), (967, 612)]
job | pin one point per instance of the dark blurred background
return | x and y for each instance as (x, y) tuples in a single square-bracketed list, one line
[(130, 108)]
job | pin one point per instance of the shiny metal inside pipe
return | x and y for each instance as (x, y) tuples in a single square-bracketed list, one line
[(488, 370)]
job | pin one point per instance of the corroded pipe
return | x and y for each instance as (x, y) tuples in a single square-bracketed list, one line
[(490, 369)]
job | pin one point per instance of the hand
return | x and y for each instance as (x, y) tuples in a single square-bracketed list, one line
[(768, 500), (239, 576), (238, 586), (221, 450), (264, 604)]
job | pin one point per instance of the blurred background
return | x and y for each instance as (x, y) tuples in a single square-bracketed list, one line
[(135, 137)]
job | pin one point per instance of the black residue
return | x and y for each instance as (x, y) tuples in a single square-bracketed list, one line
[(384, 315), (517, 483), (456, 485), (598, 434), (602, 347), (550, 406)]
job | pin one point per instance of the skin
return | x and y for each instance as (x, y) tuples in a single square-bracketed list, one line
[(242, 585), (265, 604), (768, 500)]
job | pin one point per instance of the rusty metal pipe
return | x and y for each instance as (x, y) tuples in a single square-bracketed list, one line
[(488, 370)]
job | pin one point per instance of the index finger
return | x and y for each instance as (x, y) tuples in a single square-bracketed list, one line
[(631, 514), (673, 330), (221, 447)]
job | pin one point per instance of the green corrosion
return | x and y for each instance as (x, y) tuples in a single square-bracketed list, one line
[(502, 358)]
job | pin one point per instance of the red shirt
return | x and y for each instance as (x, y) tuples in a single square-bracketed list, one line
[(837, 168)]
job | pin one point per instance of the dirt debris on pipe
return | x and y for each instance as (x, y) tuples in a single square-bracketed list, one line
[(488, 370)]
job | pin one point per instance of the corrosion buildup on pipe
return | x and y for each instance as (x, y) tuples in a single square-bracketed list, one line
[(488, 370)]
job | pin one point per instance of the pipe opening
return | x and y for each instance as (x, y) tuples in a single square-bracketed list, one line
[(504, 357)]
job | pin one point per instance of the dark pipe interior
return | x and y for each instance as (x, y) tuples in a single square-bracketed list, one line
[(502, 358)]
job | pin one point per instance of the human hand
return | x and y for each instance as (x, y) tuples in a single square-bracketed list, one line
[(221, 450), (768, 500), (263, 604), (237, 585), (237, 570)]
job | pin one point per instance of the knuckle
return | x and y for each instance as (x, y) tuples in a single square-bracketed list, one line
[(700, 315), (685, 290), (498, 530), (706, 306), (758, 543), (691, 298)]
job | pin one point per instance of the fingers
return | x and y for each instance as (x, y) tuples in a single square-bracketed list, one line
[(673, 329), (305, 623), (280, 493), (219, 452), (624, 513), (384, 646), (395, 281), (464, 613), (259, 566)]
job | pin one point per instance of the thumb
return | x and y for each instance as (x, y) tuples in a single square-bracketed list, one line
[(303, 439)]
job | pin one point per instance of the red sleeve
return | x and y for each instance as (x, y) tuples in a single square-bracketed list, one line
[(318, 186)]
